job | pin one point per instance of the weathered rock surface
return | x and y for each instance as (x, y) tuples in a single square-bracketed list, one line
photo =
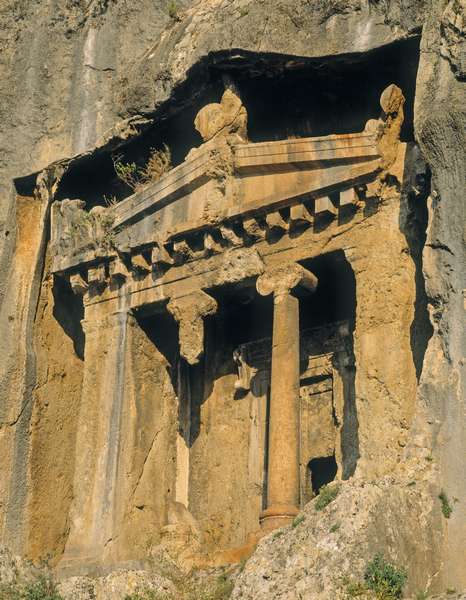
[(70, 73)]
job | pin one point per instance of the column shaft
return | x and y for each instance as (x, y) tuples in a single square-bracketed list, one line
[(283, 464), (284, 428)]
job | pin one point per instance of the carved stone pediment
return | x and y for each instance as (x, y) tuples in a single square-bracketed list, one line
[(227, 195)]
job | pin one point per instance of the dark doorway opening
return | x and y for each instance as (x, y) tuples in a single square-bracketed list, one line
[(321, 470)]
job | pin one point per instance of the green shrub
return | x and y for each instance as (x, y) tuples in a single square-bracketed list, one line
[(158, 163), (173, 11), (354, 589), (446, 506), (297, 521), (335, 527), (43, 588), (384, 579), (327, 494)]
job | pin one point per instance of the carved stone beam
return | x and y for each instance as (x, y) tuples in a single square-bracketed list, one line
[(299, 215), (276, 222), (182, 251), (348, 197), (139, 263), (324, 206), (96, 278), (211, 245), (230, 236), (78, 285), (117, 271), (190, 311), (160, 256), (283, 482), (253, 229)]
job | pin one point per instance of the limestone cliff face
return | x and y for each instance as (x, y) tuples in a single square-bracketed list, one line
[(83, 75)]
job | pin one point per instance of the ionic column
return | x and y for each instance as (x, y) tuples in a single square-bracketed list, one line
[(190, 312), (284, 442)]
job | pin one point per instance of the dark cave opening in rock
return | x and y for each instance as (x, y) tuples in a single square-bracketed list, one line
[(321, 471), (285, 96)]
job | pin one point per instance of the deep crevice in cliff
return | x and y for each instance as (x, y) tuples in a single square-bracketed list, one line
[(414, 221)]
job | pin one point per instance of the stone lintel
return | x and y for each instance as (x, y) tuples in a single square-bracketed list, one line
[(284, 279), (189, 311)]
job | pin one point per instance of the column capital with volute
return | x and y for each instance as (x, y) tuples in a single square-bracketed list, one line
[(283, 279)]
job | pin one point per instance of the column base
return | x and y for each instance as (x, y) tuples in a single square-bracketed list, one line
[(277, 516)]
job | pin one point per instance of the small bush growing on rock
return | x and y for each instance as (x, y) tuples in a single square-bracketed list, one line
[(354, 589), (335, 527), (327, 494), (385, 579), (158, 163), (297, 521), (446, 506), (173, 11)]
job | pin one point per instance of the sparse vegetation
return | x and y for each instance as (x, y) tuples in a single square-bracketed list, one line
[(173, 11), (335, 527), (110, 201), (384, 579), (189, 587), (446, 506), (277, 534), (354, 589), (135, 177), (327, 494), (421, 596), (42, 588), (149, 595), (297, 521)]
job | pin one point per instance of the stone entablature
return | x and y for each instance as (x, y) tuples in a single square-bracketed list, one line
[(227, 194)]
